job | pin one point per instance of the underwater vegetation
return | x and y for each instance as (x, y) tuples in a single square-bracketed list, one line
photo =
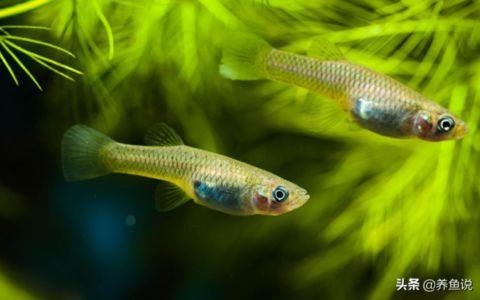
[(380, 209)]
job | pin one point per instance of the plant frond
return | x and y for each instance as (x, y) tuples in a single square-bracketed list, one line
[(107, 28), (43, 58), (6, 33), (9, 68), (25, 27), (39, 61), (8, 43), (38, 42), (18, 61), (20, 8)]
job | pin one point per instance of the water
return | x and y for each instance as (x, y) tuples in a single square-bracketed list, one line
[(380, 210)]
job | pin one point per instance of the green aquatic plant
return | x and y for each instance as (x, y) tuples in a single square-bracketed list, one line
[(384, 207), (13, 9), (8, 290), (11, 47), (11, 208)]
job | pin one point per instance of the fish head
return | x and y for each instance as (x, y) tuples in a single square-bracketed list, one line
[(438, 125), (277, 196)]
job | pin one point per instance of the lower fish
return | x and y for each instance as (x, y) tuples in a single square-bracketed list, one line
[(374, 101), (212, 180)]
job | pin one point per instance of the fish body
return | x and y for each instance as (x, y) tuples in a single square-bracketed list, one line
[(210, 179), (374, 101)]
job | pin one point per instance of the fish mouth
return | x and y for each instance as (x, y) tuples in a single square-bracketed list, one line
[(461, 131), (302, 197), (305, 195)]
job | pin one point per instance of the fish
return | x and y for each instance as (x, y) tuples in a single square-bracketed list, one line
[(212, 180), (372, 100)]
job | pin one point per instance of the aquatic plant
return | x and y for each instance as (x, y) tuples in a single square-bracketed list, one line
[(11, 45), (379, 206), (8, 290)]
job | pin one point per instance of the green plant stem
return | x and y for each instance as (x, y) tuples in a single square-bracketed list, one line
[(21, 8)]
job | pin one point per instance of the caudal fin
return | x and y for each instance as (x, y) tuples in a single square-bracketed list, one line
[(81, 156), (244, 57)]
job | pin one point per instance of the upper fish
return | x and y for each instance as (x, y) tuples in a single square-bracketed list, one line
[(212, 180), (374, 101)]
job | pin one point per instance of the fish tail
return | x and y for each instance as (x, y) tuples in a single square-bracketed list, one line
[(244, 57), (81, 153)]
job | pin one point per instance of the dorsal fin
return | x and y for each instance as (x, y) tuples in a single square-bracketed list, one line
[(162, 135), (325, 50)]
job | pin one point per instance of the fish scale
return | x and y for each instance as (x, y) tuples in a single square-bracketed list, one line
[(338, 79), (184, 165)]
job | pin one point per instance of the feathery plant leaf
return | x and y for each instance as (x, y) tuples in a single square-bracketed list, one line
[(45, 59), (9, 68), (25, 27), (52, 68), (19, 62), (9, 42), (38, 42), (108, 29)]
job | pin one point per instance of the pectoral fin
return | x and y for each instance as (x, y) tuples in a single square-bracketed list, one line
[(169, 196)]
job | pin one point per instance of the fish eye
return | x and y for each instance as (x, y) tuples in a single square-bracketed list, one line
[(280, 194), (445, 124)]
